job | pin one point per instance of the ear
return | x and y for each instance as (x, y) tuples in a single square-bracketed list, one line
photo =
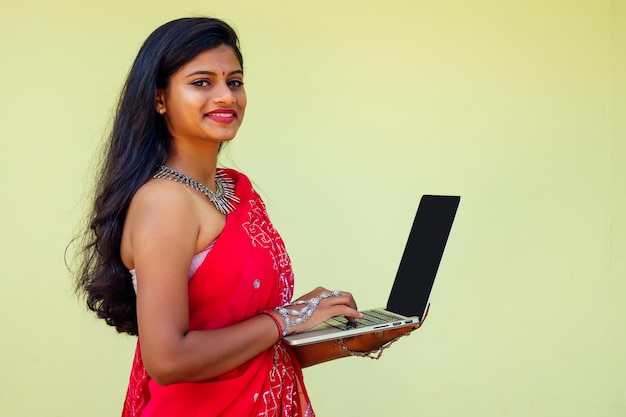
[(159, 101)]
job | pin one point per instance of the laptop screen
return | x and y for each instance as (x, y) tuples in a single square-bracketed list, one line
[(422, 255)]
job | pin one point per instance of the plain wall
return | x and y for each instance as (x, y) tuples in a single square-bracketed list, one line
[(356, 109)]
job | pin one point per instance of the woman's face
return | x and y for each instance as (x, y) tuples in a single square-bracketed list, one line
[(205, 100)]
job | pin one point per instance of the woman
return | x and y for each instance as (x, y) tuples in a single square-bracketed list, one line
[(182, 253)]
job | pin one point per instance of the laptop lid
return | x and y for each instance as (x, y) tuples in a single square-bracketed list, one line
[(422, 255)]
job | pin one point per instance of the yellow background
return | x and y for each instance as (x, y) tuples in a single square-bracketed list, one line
[(356, 108)]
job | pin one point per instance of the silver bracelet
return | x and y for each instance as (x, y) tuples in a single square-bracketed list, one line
[(288, 311)]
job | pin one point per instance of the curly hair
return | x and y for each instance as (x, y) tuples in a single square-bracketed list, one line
[(139, 141)]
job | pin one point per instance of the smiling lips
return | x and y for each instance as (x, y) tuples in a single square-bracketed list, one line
[(222, 115)]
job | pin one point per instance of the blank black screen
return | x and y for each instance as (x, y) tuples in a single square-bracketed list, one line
[(422, 255)]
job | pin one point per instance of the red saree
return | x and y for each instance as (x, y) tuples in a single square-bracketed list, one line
[(246, 272)]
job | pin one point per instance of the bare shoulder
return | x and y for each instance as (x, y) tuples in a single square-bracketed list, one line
[(161, 195), (160, 213), (164, 202)]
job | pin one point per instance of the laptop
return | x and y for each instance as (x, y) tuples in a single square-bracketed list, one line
[(409, 298)]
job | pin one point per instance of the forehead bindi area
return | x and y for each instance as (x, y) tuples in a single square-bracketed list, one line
[(213, 74)]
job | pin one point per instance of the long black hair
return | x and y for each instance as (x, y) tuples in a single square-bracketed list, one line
[(139, 141)]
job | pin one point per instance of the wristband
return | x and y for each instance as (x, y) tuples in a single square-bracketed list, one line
[(278, 326)]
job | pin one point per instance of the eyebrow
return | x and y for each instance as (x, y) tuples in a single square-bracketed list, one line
[(213, 74)]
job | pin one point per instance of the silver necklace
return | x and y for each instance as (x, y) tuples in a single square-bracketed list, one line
[(223, 197)]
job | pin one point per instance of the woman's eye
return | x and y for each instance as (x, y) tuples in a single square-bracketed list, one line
[(200, 83), (235, 83)]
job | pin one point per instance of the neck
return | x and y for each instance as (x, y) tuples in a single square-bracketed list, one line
[(198, 163)]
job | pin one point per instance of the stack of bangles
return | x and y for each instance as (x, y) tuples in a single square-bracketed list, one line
[(294, 316)]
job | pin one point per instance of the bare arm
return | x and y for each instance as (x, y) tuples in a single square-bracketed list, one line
[(161, 234)]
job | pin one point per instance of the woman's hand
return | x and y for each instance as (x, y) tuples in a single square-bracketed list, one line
[(330, 306), (316, 353)]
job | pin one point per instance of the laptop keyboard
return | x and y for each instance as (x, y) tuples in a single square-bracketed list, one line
[(370, 318)]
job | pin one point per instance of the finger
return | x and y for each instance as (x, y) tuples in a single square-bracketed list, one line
[(352, 301), (338, 304), (345, 310), (345, 297)]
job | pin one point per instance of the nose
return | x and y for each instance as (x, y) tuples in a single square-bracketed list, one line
[(223, 94)]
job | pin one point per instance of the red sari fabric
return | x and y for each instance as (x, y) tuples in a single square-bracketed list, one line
[(246, 272)]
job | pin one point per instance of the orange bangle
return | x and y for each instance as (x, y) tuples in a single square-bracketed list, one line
[(278, 326)]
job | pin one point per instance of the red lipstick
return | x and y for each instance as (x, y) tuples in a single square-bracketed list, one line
[(222, 115)]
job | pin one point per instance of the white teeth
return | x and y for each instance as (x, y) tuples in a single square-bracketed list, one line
[(222, 114)]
